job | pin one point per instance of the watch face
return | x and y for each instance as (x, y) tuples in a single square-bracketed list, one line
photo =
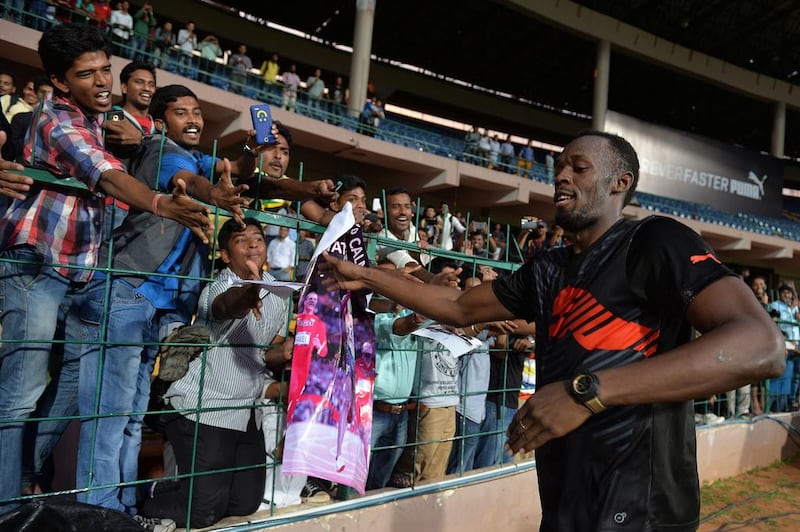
[(582, 384)]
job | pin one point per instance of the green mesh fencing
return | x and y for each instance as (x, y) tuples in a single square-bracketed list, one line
[(220, 75)]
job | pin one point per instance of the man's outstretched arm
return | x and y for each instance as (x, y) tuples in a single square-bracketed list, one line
[(290, 189), (177, 206), (441, 303)]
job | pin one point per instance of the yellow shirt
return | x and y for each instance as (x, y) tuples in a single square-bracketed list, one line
[(10, 110), (269, 70)]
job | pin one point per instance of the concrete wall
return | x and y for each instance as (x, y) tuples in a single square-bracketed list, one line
[(512, 504)]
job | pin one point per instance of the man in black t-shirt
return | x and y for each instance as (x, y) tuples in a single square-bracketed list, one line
[(611, 420)]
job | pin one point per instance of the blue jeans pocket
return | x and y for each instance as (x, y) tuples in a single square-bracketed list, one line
[(24, 273), (124, 294)]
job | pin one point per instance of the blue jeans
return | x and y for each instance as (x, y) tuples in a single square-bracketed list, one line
[(388, 430), (161, 57), (32, 296), (60, 400), (187, 66), (14, 10), (39, 9), (115, 379), (139, 45), (779, 398), (795, 384), (465, 446), (280, 275), (494, 426)]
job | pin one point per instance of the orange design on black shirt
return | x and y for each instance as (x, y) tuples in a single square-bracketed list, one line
[(577, 311), (700, 258)]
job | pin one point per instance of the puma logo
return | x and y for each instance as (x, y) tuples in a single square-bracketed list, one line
[(758, 182), (695, 259)]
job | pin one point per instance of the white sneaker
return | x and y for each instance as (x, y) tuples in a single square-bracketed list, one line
[(154, 524), (712, 419)]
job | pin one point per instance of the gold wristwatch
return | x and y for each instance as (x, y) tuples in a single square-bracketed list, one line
[(585, 389)]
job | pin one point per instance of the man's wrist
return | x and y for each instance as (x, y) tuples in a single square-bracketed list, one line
[(585, 390)]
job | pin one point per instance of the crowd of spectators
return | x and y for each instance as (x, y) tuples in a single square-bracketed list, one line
[(139, 34), (143, 233), (781, 394), (462, 407), (485, 149)]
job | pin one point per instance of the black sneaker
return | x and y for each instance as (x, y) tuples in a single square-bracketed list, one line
[(313, 493), (154, 524)]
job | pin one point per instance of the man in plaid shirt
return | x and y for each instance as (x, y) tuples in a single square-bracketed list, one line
[(49, 238)]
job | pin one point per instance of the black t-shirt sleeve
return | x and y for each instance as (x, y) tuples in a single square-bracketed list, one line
[(517, 291), (668, 264)]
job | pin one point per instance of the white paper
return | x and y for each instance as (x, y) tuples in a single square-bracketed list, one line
[(457, 344), (279, 288), (339, 225)]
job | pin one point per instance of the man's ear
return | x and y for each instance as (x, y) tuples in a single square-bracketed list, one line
[(59, 84), (334, 206), (160, 125), (622, 183), (223, 254)]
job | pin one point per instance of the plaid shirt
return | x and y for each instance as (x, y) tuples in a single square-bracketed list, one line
[(65, 226)]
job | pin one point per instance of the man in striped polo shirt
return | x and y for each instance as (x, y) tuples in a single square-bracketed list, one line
[(226, 383)]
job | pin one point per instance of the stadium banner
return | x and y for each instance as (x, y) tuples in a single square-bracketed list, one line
[(680, 165), (329, 417)]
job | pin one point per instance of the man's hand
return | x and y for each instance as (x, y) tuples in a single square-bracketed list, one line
[(252, 297), (549, 413), (446, 278), (407, 272), (181, 208), (12, 184), (523, 344), (227, 196), (288, 348), (325, 190), (487, 273), (280, 356), (502, 327), (122, 136), (371, 227), (347, 275)]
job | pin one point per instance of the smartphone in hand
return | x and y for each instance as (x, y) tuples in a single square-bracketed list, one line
[(262, 123), (115, 116)]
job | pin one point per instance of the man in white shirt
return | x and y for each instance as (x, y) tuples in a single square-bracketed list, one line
[(219, 423), (280, 255), (121, 24), (400, 227)]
